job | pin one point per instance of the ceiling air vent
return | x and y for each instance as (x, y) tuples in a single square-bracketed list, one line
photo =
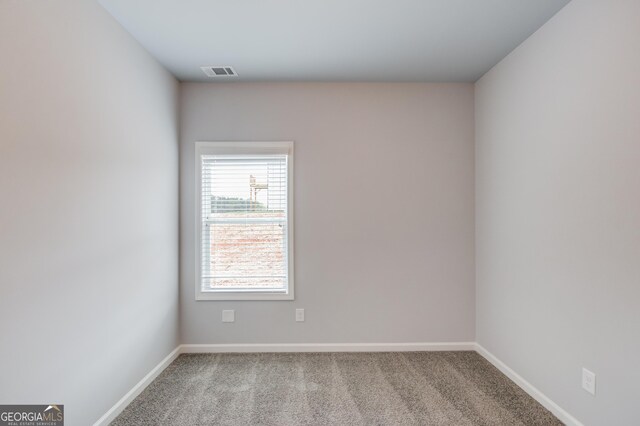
[(219, 71)]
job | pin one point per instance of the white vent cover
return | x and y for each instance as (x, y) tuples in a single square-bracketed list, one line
[(216, 71)]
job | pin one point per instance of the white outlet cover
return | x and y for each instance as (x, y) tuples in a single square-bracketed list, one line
[(589, 381), (299, 315), (228, 315)]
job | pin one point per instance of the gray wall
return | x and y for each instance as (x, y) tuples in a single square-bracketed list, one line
[(558, 202), (89, 215), (384, 231)]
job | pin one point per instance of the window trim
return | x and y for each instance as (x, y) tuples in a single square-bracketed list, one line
[(252, 148)]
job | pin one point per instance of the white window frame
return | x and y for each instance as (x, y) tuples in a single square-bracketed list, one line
[(244, 148)]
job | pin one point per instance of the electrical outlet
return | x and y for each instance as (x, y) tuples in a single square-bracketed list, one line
[(589, 381), (299, 315), (229, 316)]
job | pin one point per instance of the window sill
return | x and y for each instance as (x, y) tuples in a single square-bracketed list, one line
[(242, 295)]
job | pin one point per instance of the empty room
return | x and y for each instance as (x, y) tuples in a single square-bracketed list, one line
[(338, 212)]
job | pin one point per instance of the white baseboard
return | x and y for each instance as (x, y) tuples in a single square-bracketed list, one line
[(328, 347), (114, 411), (545, 401)]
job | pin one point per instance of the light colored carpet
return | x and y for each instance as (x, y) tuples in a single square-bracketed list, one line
[(398, 388)]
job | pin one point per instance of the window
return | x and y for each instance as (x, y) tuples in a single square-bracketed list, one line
[(244, 220)]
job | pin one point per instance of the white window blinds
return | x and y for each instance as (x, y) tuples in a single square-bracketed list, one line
[(244, 228)]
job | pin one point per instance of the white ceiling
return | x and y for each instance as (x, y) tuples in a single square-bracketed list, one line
[(333, 40)]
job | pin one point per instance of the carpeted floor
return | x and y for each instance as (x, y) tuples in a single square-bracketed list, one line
[(399, 388)]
